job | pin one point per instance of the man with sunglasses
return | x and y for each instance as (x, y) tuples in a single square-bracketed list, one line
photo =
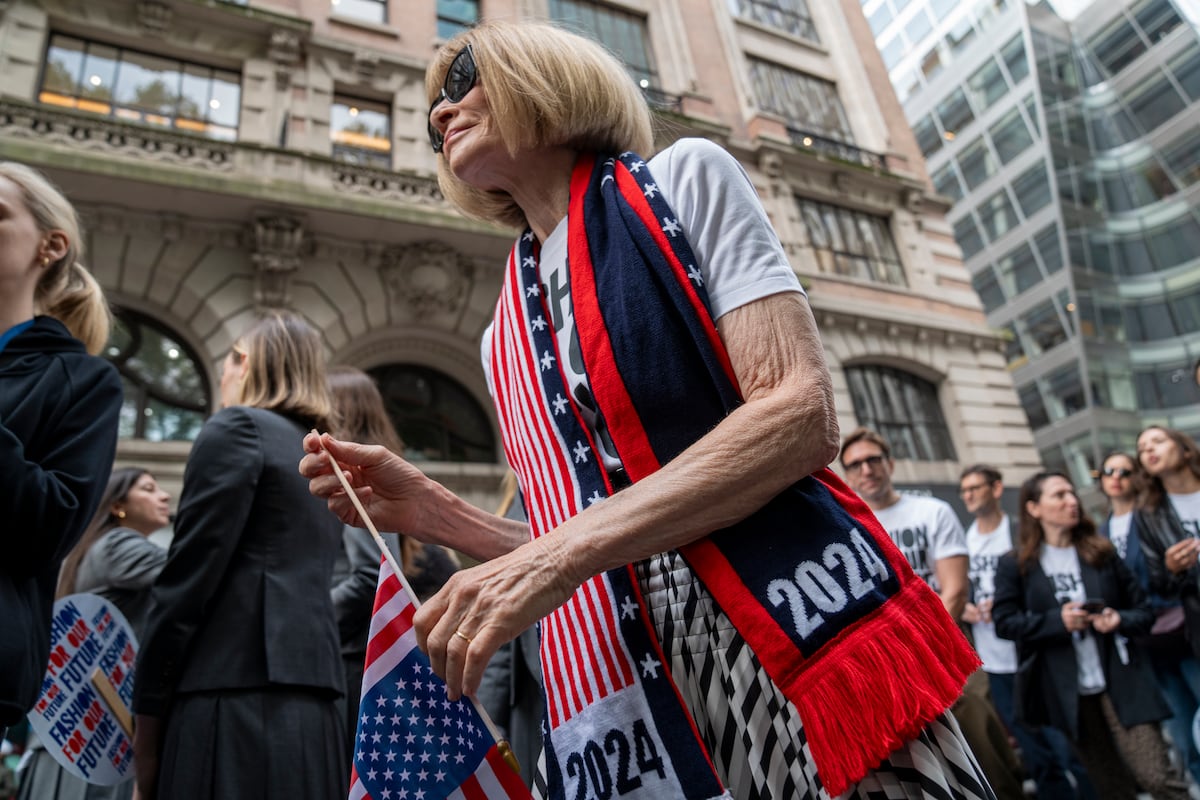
[(1045, 752)]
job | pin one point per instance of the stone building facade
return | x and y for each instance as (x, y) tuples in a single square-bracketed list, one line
[(233, 157)]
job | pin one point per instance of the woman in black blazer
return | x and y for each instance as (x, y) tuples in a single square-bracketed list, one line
[(1069, 603), (239, 674)]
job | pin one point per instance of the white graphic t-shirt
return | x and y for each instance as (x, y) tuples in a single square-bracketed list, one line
[(1187, 508), (999, 656), (1118, 532), (1061, 565), (926, 530), (739, 254)]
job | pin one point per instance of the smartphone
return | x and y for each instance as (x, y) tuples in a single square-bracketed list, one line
[(1093, 605)]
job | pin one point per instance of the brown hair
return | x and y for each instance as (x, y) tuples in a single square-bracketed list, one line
[(1093, 548), (545, 87), (862, 434), (363, 418), (67, 291), (286, 372), (986, 471), (119, 483), (1137, 481), (1153, 493)]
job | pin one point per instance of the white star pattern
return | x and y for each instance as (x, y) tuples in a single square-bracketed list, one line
[(560, 405), (649, 667), (695, 275), (539, 323), (629, 608), (637, 166), (528, 262), (594, 497), (528, 236), (547, 360), (580, 451), (650, 189), (671, 226), (532, 290), (606, 178)]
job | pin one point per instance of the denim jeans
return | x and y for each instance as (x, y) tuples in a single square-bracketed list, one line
[(1179, 679), (1046, 752)]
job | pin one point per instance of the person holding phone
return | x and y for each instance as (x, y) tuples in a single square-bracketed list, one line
[(1069, 602)]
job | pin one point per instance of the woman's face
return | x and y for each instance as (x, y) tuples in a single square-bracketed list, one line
[(233, 373), (20, 239), (1058, 507), (146, 506), (472, 147), (1158, 453), (1116, 477)]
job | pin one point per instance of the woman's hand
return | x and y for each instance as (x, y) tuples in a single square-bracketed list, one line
[(481, 608), (392, 491), (1106, 621), (1181, 556), (1074, 618)]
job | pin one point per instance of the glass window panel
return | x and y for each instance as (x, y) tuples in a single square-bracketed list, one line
[(621, 31), (1010, 136), (893, 51), (1116, 194), (1111, 127), (1018, 271), (918, 27), (1156, 322), (194, 90), (1032, 188), (851, 243), (1049, 248), (1132, 256), (1187, 71), (1175, 243), (1157, 18), (928, 138), (361, 131), (1035, 409), (988, 290), (987, 84), (225, 103), (1014, 58), (1117, 46), (955, 111), (437, 418), (996, 215), (902, 407), (967, 234), (880, 18), (148, 83), (100, 73), (945, 182), (1156, 103), (976, 163), (960, 35), (1063, 392), (931, 64), (1183, 157), (1186, 310), (804, 101), (64, 63), (366, 10), (942, 8)]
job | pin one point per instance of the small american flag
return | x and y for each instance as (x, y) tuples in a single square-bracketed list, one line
[(412, 743)]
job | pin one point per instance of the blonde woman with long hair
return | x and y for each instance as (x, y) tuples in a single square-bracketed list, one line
[(59, 406)]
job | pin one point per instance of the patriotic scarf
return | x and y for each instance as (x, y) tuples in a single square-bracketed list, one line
[(851, 636)]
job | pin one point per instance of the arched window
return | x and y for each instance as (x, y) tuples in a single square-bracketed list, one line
[(904, 409), (438, 419), (166, 390)]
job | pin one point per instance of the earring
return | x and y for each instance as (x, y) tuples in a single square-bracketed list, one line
[(45, 262), (121, 514)]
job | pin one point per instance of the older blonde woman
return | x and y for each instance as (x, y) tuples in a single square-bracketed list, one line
[(720, 616)]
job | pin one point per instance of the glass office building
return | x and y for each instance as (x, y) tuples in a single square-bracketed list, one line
[(1071, 152)]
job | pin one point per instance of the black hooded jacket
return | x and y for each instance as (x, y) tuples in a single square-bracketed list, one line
[(58, 435)]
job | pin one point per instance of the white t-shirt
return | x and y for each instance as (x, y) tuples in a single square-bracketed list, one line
[(739, 254), (1061, 565), (1187, 508), (1118, 532), (999, 656), (926, 531)]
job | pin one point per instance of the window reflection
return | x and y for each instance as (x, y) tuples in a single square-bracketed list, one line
[(851, 243), (436, 417), (620, 31), (904, 408), (361, 131), (166, 391)]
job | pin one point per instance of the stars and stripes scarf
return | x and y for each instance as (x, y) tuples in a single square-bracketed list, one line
[(858, 643)]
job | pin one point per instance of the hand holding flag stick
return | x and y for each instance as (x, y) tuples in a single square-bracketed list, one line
[(501, 743)]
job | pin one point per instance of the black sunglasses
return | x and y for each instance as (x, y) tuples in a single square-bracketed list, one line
[(459, 79), (1120, 472)]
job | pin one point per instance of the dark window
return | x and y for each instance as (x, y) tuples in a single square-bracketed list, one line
[(1018, 270), (1165, 386), (436, 417), (987, 84), (1032, 189), (1010, 136), (996, 215), (804, 101), (366, 10), (455, 16), (988, 290), (904, 409), (361, 131), (791, 16), (1063, 392), (1014, 58), (852, 243), (1174, 243), (166, 390), (1186, 67), (1043, 328), (620, 31), (1111, 126), (1156, 103), (1049, 248), (945, 181), (1117, 46), (1035, 409), (928, 138), (1157, 18), (966, 233), (1183, 157), (955, 112), (140, 87), (976, 163)]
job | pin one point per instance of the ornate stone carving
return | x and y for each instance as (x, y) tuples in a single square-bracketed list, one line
[(427, 277), (365, 64), (279, 242), (153, 18), (284, 51)]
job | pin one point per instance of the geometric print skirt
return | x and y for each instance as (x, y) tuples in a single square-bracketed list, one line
[(754, 733)]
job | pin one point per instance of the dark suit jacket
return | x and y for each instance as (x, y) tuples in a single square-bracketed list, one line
[(1160, 528), (243, 600), (1026, 611)]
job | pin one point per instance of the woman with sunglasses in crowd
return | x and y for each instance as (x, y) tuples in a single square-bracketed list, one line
[(239, 674), (1177, 670), (1072, 607), (59, 405), (116, 560), (669, 385)]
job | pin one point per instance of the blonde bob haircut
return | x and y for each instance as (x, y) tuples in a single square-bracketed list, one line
[(67, 291), (545, 87), (286, 370)]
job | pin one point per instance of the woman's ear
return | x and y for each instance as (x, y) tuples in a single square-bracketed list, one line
[(55, 246), (1032, 509)]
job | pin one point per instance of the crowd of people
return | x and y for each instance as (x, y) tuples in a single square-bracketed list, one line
[(842, 665)]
